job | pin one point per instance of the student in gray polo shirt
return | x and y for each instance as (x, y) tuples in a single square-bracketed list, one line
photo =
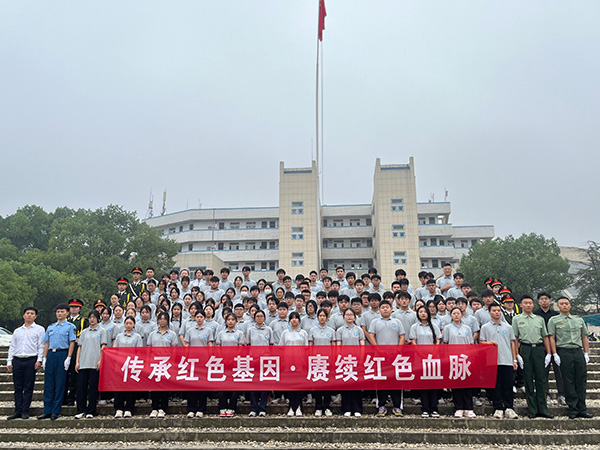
[(91, 341), (198, 336), (351, 334), (501, 334), (387, 331), (259, 334), (403, 313), (322, 334), (125, 400), (163, 337)]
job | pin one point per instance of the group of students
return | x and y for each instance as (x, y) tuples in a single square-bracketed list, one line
[(344, 311)]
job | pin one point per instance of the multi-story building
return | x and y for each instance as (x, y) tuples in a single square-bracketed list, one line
[(393, 232)]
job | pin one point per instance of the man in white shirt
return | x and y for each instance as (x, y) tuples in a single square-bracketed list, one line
[(24, 359)]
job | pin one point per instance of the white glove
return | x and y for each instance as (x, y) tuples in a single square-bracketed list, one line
[(67, 362), (547, 360), (556, 359), (44, 363), (520, 361), (586, 356)]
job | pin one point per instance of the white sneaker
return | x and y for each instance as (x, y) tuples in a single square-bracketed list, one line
[(252, 414), (102, 402), (127, 414), (119, 414), (459, 413), (424, 414), (328, 413), (89, 416), (309, 398), (80, 416), (498, 414), (262, 414), (477, 401), (291, 412), (154, 414), (298, 412), (190, 414), (469, 414), (357, 414), (435, 415), (161, 414), (510, 414), (318, 413), (347, 414), (514, 389), (199, 414)]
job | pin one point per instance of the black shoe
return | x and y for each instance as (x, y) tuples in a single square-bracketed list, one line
[(24, 416), (54, 417), (44, 416), (572, 416), (14, 416), (585, 415), (532, 416), (546, 416)]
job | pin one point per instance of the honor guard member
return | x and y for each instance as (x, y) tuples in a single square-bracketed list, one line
[(136, 287), (122, 292), (80, 323), (570, 349), (534, 356), (59, 342)]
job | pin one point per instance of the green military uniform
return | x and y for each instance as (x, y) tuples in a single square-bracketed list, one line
[(136, 289), (568, 332), (531, 330), (71, 382)]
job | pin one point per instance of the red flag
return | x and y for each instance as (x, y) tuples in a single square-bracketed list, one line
[(322, 15)]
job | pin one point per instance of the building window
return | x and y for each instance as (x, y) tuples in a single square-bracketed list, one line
[(234, 246), (250, 225), (423, 243), (399, 257), (272, 244), (398, 231), (464, 244), (434, 241), (220, 246), (324, 222), (297, 259), (338, 223), (297, 233), (369, 242), (434, 263), (424, 264), (451, 243), (272, 224), (422, 221), (369, 221), (263, 265), (191, 226), (263, 245), (171, 230), (234, 266), (355, 222), (338, 244), (272, 265), (473, 241), (432, 221), (354, 243), (251, 265), (234, 225), (442, 242), (397, 204), (263, 224), (297, 207), (221, 225), (180, 228), (190, 247), (250, 245)]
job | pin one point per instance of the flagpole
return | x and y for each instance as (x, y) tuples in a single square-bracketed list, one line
[(317, 107)]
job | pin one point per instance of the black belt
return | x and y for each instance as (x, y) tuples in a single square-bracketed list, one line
[(25, 357), (54, 350), (568, 348), (531, 345)]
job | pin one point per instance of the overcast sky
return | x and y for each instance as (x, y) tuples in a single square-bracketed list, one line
[(499, 102)]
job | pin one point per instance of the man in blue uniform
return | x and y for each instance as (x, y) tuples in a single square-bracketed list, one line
[(59, 342)]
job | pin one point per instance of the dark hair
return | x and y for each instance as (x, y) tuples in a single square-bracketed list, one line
[(428, 321), (496, 305), (400, 272), (30, 308), (146, 308), (375, 296), (321, 310), (312, 303), (94, 313), (61, 306), (562, 297), (129, 318), (292, 315), (385, 302), (163, 315), (259, 311), (488, 293), (200, 311), (282, 305), (542, 294), (458, 275)]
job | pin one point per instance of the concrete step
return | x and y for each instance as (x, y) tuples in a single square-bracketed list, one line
[(317, 436), (143, 409)]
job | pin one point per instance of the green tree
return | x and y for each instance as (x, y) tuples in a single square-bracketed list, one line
[(528, 264), (587, 280)]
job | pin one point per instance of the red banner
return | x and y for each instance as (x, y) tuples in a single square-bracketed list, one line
[(298, 368)]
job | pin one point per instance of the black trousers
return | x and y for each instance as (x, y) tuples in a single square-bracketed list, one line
[(24, 380), (429, 400), (160, 400), (87, 391), (228, 400), (322, 400), (502, 396), (382, 397), (574, 372), (258, 401), (71, 382), (196, 401), (463, 399), (125, 401), (352, 402), (295, 399)]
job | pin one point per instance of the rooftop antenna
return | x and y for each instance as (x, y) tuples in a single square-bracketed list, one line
[(199, 204), (431, 198), (445, 194), (150, 212), (164, 206)]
